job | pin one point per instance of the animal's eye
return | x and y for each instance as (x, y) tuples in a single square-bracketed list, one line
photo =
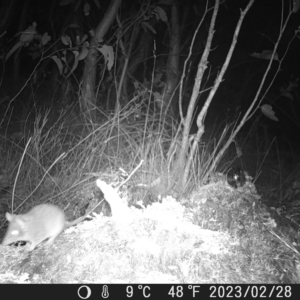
[(15, 232)]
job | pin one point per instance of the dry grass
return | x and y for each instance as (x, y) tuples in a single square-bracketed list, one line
[(215, 234)]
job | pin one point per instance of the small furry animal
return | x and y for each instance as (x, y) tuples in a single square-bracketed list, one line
[(236, 177), (44, 221)]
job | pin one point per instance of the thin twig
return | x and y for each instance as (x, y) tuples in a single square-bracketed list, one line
[(122, 183), (18, 172)]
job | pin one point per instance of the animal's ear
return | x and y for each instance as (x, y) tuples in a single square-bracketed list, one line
[(8, 216)]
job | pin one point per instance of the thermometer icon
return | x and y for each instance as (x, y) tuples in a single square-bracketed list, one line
[(105, 293)]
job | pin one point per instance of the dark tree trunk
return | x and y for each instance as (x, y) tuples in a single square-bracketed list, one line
[(88, 96), (169, 101)]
